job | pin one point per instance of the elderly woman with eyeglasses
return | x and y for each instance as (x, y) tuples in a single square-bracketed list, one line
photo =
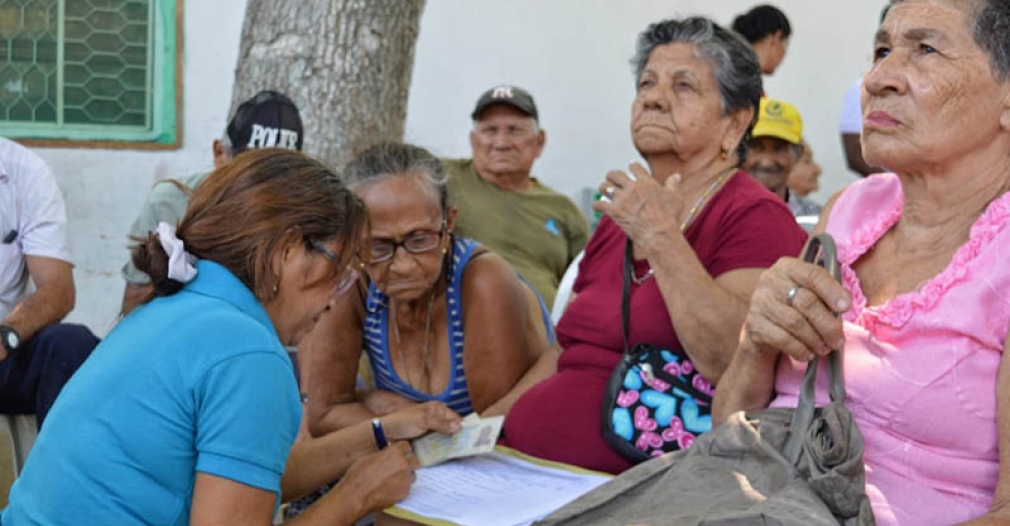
[(441, 318)]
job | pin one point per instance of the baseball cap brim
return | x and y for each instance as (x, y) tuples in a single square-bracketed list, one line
[(496, 102), (764, 130)]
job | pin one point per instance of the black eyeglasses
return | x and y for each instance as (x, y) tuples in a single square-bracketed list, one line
[(382, 250), (350, 274)]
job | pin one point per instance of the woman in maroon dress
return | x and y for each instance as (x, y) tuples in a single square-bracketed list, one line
[(702, 232)]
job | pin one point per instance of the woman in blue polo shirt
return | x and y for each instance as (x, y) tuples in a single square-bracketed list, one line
[(186, 413)]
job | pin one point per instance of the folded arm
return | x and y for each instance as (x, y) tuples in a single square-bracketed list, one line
[(53, 298), (504, 335)]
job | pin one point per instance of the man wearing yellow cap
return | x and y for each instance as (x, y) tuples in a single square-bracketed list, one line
[(775, 145)]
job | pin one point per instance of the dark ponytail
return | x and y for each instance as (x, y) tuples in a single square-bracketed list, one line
[(150, 258)]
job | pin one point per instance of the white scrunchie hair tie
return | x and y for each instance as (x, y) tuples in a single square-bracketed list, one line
[(180, 262)]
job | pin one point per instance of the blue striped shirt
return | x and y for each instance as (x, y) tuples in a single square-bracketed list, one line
[(376, 337)]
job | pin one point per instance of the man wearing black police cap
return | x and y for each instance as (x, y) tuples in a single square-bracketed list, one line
[(268, 120), (501, 205)]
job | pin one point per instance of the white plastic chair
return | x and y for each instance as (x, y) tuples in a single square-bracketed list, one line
[(565, 288), (807, 222)]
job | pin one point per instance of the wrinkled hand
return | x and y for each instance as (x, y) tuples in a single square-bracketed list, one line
[(806, 327), (383, 478), (641, 206), (381, 402), (418, 420)]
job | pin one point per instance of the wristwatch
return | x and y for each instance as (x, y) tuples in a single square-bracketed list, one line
[(9, 338)]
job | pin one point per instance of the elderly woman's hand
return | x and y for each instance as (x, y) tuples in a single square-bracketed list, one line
[(420, 419), (794, 310), (639, 204)]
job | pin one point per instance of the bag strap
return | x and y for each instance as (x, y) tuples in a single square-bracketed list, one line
[(629, 254), (824, 246)]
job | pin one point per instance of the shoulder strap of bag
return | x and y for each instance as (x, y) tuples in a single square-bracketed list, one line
[(629, 254), (824, 246)]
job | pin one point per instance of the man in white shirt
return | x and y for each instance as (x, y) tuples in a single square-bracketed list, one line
[(37, 353)]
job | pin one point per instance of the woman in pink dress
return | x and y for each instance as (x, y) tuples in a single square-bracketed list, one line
[(925, 293)]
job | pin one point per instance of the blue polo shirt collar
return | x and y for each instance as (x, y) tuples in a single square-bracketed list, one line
[(216, 281)]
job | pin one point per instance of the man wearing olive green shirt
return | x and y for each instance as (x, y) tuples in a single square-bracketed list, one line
[(537, 230)]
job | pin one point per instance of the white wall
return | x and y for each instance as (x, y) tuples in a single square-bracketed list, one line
[(104, 189), (572, 54)]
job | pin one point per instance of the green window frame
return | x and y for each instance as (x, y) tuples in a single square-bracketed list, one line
[(92, 73)]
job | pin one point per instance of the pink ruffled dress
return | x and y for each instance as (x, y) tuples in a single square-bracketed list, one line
[(921, 369)]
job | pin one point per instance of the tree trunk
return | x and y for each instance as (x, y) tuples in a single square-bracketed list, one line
[(345, 63)]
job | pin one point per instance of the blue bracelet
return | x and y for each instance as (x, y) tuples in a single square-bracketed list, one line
[(380, 435)]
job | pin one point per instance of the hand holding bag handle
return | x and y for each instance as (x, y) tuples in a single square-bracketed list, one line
[(785, 466), (824, 246)]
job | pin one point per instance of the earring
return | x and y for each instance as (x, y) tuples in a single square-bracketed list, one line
[(276, 288), (724, 154), (445, 251)]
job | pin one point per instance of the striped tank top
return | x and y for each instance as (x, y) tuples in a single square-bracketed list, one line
[(376, 336)]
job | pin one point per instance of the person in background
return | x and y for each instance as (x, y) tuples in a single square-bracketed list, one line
[(921, 314), (775, 145), (802, 181), (768, 31), (187, 412), (850, 123), (702, 231), (267, 120), (38, 354), (501, 205)]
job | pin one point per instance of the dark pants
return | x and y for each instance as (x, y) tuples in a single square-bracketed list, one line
[(33, 376)]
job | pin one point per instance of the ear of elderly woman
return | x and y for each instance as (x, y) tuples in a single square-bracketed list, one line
[(701, 229), (923, 302)]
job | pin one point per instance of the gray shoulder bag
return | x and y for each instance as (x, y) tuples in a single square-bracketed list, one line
[(779, 466)]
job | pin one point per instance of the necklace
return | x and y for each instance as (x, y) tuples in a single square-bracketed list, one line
[(691, 215), (424, 351)]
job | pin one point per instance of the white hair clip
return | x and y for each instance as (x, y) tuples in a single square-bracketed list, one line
[(180, 262)]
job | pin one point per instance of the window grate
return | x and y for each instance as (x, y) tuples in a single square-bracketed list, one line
[(84, 69)]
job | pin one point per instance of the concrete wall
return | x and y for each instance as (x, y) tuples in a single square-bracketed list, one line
[(572, 54)]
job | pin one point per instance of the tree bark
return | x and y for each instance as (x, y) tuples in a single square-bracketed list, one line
[(345, 63)]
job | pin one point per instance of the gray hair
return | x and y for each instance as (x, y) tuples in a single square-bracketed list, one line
[(390, 159), (736, 66), (991, 27)]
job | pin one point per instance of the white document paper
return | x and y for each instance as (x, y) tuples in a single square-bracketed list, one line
[(496, 489)]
